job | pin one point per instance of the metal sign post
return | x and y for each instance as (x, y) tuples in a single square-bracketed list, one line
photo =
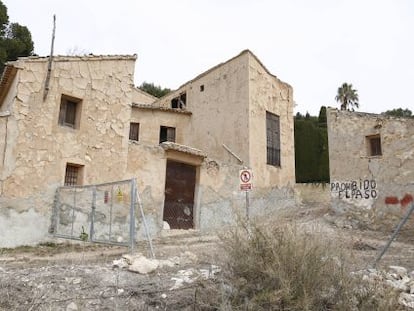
[(245, 179)]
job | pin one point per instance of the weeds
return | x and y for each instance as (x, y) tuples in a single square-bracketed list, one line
[(49, 248), (291, 268)]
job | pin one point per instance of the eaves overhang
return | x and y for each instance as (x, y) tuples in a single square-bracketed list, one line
[(160, 108), (182, 153), (6, 81)]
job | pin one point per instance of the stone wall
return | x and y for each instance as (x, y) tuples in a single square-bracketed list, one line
[(219, 101), (228, 105), (36, 147), (268, 93), (362, 184), (224, 106), (221, 203)]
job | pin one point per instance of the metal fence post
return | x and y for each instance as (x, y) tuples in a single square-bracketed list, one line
[(55, 212), (138, 198), (92, 229), (110, 212), (132, 215), (73, 212), (397, 230)]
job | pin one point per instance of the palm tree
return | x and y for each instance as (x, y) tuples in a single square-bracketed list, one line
[(347, 96)]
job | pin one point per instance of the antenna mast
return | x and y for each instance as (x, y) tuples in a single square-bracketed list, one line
[(49, 67)]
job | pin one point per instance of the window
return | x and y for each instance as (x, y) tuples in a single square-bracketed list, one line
[(73, 174), (179, 102), (69, 112), (167, 134), (273, 139), (202, 88), (134, 131), (374, 145)]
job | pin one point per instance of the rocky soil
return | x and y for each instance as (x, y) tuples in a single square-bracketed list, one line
[(69, 276)]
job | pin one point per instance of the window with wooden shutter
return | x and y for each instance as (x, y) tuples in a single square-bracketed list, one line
[(69, 112), (273, 139), (167, 134), (134, 131), (374, 145)]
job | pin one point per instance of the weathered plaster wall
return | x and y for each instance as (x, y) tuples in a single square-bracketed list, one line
[(147, 162), (220, 111), (42, 147), (228, 105), (150, 122), (7, 123), (38, 148), (3, 138), (140, 97), (221, 202), (268, 93), (361, 183)]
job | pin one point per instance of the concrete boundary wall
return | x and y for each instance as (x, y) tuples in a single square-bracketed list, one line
[(369, 184)]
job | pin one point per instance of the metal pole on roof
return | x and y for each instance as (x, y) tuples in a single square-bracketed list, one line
[(49, 66)]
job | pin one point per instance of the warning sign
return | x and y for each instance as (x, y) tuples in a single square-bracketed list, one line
[(245, 179)]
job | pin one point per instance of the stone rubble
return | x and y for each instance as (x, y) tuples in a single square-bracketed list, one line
[(72, 307), (140, 264), (188, 276), (397, 278)]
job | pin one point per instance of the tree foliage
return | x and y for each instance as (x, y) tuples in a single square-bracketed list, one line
[(347, 97), (311, 148), (154, 90), (15, 39), (399, 112)]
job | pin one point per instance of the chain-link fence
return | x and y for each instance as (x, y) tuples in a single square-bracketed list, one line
[(102, 213)]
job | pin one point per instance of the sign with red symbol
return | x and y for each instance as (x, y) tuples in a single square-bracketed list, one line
[(245, 179)]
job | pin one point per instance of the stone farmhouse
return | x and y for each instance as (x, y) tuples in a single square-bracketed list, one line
[(80, 120), (371, 165)]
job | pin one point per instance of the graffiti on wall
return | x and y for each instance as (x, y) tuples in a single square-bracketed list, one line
[(355, 189), (408, 198)]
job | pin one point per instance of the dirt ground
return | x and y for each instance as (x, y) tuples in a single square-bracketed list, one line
[(73, 276)]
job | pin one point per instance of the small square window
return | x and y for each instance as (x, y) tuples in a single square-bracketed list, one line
[(167, 134), (73, 174), (202, 88), (374, 145), (69, 113), (134, 131)]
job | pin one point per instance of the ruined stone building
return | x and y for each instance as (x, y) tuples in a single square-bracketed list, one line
[(371, 164), (88, 124)]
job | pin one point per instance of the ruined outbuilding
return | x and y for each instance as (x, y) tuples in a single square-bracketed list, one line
[(88, 124), (371, 160)]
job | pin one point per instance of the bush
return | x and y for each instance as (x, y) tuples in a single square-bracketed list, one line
[(290, 268)]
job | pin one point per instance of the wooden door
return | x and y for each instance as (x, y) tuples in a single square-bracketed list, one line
[(179, 195)]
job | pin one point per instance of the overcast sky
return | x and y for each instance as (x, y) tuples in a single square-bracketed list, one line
[(315, 45)]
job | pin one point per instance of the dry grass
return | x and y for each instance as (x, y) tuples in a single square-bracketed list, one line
[(49, 248), (286, 267)]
